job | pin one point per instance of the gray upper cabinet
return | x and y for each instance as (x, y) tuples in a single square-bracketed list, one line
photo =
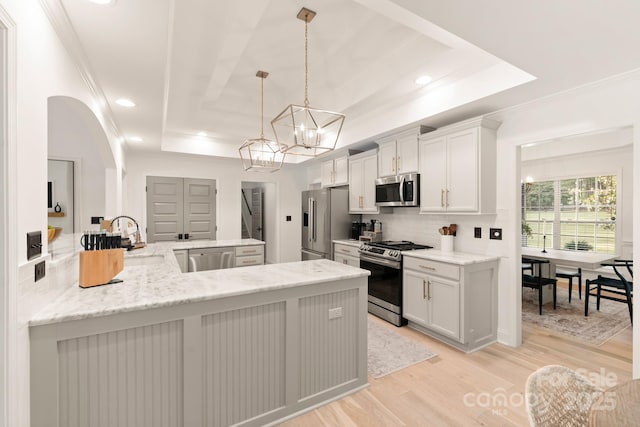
[(180, 208)]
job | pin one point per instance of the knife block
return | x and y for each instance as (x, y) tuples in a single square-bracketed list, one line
[(99, 267)]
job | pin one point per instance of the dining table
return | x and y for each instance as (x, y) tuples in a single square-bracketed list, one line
[(618, 406), (578, 259), (581, 259)]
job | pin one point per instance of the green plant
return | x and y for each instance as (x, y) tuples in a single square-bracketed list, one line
[(580, 245), (526, 229)]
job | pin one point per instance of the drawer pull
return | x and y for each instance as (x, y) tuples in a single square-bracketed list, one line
[(245, 261), (252, 251), (345, 250), (428, 268)]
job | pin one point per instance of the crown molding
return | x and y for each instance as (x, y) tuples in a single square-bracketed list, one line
[(55, 12)]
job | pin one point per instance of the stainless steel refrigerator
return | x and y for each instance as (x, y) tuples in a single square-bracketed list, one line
[(325, 217)]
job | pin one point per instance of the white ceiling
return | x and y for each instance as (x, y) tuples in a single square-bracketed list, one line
[(190, 65)]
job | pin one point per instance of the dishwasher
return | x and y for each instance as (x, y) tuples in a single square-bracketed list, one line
[(211, 259)]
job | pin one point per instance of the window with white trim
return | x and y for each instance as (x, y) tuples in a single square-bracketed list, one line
[(571, 214)]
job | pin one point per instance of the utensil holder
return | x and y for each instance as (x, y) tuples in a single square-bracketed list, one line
[(446, 243), (99, 267)]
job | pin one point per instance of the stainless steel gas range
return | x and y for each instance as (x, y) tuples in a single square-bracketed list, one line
[(384, 261)]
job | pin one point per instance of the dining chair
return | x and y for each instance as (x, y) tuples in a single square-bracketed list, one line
[(557, 396), (620, 289), (538, 281), (569, 274)]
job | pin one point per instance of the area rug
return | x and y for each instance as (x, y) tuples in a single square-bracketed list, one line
[(389, 351), (569, 319)]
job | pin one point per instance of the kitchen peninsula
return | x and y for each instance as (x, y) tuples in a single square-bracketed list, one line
[(243, 346)]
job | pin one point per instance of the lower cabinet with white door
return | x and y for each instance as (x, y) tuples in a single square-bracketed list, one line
[(452, 297), (347, 253)]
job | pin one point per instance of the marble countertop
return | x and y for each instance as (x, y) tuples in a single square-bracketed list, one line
[(69, 244), (350, 242), (459, 258), (152, 279)]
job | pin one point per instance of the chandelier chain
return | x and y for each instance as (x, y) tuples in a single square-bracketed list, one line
[(306, 63), (262, 108)]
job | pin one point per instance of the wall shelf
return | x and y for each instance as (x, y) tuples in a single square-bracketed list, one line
[(55, 214)]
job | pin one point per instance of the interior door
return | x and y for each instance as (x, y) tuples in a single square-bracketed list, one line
[(200, 208), (164, 208), (257, 197)]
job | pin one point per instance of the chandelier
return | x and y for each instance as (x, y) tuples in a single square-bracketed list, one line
[(301, 129), (261, 154)]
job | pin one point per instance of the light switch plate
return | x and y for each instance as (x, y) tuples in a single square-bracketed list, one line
[(34, 244)]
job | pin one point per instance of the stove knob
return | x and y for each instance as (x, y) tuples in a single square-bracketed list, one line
[(393, 253)]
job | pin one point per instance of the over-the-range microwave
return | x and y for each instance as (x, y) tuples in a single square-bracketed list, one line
[(399, 190)]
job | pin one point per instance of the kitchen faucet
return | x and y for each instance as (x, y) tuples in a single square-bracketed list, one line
[(137, 233)]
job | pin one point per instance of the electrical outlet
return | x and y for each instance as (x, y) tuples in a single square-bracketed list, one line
[(495, 233), (334, 313), (477, 232), (40, 270), (288, 217), (96, 219)]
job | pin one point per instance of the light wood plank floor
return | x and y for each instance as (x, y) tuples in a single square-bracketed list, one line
[(457, 389)]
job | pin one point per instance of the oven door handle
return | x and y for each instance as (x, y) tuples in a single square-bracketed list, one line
[(380, 261)]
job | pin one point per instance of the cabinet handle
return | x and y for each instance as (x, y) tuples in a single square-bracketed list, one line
[(251, 251), (428, 268), (442, 198), (398, 163), (428, 289), (360, 201), (393, 164), (447, 198), (345, 250), (424, 291), (244, 261)]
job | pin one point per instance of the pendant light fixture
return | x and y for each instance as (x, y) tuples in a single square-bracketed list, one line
[(261, 154), (301, 129)]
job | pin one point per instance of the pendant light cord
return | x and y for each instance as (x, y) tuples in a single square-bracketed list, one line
[(306, 61)]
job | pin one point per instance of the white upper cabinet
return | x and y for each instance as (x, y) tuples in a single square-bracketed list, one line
[(458, 168), (407, 154), (398, 154), (335, 172), (363, 171)]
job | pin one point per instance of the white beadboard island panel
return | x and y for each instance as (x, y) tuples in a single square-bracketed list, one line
[(226, 346)]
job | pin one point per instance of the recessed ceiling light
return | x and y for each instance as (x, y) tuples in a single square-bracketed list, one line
[(101, 1), (423, 80), (125, 102), (202, 134), (135, 139)]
